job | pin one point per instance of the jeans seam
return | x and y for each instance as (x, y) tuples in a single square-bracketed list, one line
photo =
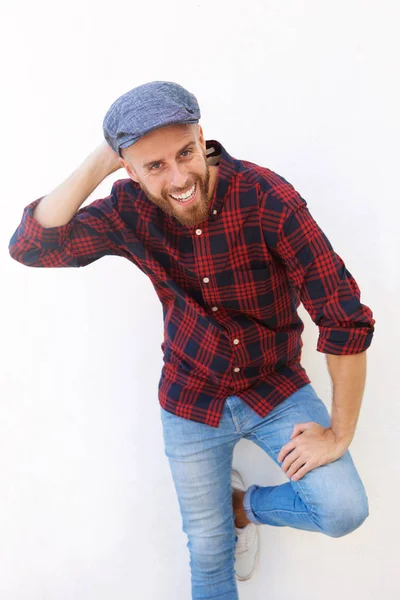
[(234, 420)]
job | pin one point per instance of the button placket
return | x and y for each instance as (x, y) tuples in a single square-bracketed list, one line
[(199, 244), (239, 354)]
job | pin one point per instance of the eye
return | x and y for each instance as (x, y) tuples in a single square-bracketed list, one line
[(155, 168)]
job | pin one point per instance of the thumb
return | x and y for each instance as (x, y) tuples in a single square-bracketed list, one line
[(297, 429)]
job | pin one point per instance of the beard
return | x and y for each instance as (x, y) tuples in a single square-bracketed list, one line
[(188, 216)]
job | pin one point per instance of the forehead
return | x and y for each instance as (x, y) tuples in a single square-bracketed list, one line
[(161, 144)]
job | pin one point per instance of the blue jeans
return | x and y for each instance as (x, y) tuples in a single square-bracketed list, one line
[(330, 499)]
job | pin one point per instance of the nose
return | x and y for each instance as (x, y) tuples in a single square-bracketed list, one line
[(178, 178)]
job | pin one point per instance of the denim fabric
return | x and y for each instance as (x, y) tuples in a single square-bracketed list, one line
[(330, 499)]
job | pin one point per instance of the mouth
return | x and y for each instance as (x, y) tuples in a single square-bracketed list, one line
[(187, 198)]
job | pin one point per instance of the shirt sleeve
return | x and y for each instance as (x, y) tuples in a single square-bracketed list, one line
[(93, 232), (326, 288)]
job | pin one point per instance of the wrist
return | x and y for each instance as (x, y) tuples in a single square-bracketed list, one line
[(342, 439)]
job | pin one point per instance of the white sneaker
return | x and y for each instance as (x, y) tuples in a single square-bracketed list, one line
[(247, 545)]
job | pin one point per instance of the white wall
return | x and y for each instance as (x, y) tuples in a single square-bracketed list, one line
[(309, 89)]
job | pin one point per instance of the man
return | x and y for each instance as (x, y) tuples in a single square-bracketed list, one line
[(231, 250)]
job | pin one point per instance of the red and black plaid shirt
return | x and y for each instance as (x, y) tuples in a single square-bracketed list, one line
[(230, 287)]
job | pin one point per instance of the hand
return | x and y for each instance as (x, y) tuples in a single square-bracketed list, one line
[(105, 156), (312, 445)]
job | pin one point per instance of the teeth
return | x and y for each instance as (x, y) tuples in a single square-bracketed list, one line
[(187, 195)]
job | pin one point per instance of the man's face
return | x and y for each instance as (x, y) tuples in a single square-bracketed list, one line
[(168, 162)]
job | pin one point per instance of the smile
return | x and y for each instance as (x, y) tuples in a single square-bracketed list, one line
[(187, 196)]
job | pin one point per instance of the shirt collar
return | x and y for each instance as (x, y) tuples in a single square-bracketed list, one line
[(217, 155)]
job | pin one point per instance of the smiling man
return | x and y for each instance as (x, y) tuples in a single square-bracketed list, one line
[(177, 179), (231, 249)]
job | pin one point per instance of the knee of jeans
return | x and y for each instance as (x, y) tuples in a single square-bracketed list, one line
[(211, 554), (346, 520)]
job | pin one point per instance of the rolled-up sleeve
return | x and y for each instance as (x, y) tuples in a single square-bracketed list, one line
[(93, 232), (326, 288)]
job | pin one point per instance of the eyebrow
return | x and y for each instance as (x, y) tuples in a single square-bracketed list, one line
[(152, 162)]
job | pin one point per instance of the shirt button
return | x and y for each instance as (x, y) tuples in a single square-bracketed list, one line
[(236, 369), (236, 341), (206, 280), (215, 308), (214, 212), (198, 231)]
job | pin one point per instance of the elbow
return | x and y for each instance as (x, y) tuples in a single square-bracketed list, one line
[(29, 258), (19, 251)]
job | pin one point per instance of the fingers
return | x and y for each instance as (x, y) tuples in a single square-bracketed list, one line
[(301, 472), (290, 459), (285, 450), (295, 466)]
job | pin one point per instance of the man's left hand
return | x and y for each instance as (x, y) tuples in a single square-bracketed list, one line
[(312, 446)]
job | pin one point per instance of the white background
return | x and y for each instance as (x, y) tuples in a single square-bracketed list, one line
[(307, 88)]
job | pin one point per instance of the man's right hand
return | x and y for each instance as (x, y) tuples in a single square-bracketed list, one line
[(106, 156)]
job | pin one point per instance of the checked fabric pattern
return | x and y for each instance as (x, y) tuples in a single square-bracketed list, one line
[(229, 288)]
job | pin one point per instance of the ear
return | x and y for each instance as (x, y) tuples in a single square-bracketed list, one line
[(129, 169), (201, 137)]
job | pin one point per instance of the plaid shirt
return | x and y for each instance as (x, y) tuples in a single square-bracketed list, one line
[(229, 288)]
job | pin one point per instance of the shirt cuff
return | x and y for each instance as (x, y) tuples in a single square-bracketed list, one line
[(341, 341), (45, 237)]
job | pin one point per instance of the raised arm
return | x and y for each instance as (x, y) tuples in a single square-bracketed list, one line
[(58, 207), (55, 232)]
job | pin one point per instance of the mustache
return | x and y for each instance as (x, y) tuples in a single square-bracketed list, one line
[(184, 189)]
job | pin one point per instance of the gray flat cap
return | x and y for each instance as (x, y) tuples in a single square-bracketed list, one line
[(145, 108)]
